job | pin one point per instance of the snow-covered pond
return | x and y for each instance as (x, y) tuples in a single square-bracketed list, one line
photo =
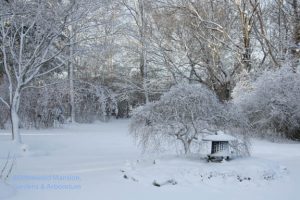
[(101, 161)]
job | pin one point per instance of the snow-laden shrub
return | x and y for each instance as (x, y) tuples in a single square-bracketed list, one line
[(44, 107), (182, 114), (271, 103), (94, 102), (49, 105)]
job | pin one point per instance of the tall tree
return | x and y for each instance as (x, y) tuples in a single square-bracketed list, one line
[(137, 10), (296, 32), (32, 39)]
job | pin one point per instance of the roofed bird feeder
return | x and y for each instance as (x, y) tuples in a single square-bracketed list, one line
[(219, 146)]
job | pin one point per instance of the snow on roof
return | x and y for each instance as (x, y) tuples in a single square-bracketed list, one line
[(218, 136)]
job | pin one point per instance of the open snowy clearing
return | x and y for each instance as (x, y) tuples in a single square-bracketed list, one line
[(101, 161)]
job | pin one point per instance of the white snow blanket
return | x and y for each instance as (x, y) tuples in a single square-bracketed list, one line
[(101, 161)]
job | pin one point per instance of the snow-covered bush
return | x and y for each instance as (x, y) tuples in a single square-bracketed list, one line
[(94, 102), (49, 105), (271, 103), (44, 107), (182, 114)]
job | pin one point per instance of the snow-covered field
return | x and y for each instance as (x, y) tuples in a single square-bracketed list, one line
[(101, 161)]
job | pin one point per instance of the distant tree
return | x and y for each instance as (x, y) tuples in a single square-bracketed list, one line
[(295, 47), (85, 21), (139, 34), (195, 39), (48, 106)]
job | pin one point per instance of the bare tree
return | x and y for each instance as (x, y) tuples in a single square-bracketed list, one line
[(80, 21), (246, 10), (296, 32), (137, 10), (196, 39)]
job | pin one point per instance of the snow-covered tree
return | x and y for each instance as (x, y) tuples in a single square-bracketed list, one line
[(31, 39), (184, 113), (272, 102)]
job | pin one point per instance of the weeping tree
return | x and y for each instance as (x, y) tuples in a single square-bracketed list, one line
[(183, 114)]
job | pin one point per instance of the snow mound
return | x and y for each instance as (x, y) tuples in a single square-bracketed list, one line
[(194, 173)]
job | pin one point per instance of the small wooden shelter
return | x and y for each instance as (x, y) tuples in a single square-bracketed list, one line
[(219, 146)]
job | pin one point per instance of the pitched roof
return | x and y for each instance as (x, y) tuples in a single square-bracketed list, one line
[(218, 136)]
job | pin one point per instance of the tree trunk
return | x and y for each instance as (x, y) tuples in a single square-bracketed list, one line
[(71, 74), (15, 118), (144, 67), (72, 97), (223, 91), (186, 146), (145, 78)]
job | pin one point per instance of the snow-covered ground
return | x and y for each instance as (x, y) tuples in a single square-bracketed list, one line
[(101, 161)]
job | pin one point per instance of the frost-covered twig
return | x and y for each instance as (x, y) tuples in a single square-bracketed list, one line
[(7, 168)]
